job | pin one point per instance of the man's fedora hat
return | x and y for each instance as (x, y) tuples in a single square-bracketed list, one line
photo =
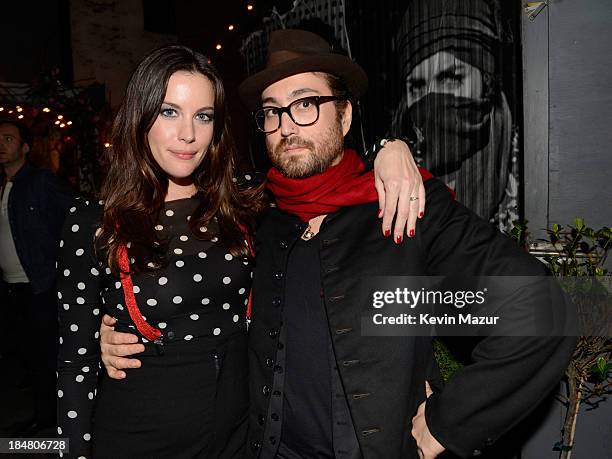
[(297, 51)]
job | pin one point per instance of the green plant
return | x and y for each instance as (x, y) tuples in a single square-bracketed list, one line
[(578, 253)]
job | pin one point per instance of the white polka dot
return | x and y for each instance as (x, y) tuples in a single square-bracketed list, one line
[(197, 277), (152, 302), (59, 295), (226, 280), (216, 331), (66, 306), (81, 286), (82, 351), (202, 254), (59, 430), (183, 238), (128, 245), (162, 325), (61, 340), (97, 335), (162, 281), (247, 176), (72, 210), (205, 301), (94, 271), (203, 229), (178, 251), (226, 306), (214, 239), (80, 300), (241, 291), (150, 265), (60, 393), (144, 340), (180, 263), (177, 300), (62, 243), (96, 312), (85, 369), (228, 256), (246, 301), (79, 378), (66, 272), (75, 228), (188, 217), (90, 396), (159, 227), (79, 252), (86, 437), (117, 284), (194, 317), (136, 289), (98, 231), (188, 337), (74, 327), (107, 270), (169, 213), (119, 306), (235, 318), (72, 414)]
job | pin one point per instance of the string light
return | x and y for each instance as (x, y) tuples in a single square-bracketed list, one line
[(69, 123), (218, 47), (56, 122), (20, 116), (62, 125), (10, 111), (107, 145), (230, 27), (249, 7), (46, 110), (59, 117), (1, 109), (19, 109)]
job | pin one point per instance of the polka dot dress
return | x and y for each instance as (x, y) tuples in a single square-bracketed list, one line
[(198, 301)]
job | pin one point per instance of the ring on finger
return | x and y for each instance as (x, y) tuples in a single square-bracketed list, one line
[(414, 198)]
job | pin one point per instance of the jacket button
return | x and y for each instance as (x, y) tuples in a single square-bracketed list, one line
[(255, 446), (276, 301), (278, 275), (273, 333), (476, 452), (269, 362), (265, 390), (261, 420), (275, 417), (283, 244), (170, 335)]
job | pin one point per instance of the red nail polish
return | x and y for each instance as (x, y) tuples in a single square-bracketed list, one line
[(398, 240), (411, 234), (387, 233), (421, 214)]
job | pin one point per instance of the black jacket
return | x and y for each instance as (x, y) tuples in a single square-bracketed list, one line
[(384, 377), (37, 206)]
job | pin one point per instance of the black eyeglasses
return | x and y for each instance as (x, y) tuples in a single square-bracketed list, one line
[(303, 112)]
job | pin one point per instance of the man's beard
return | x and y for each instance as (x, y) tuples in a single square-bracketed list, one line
[(317, 159)]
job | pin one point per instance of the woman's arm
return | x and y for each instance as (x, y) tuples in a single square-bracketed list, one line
[(79, 304)]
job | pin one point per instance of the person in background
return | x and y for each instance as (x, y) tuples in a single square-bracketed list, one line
[(34, 203)]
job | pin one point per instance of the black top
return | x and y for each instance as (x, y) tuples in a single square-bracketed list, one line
[(200, 294), (307, 417)]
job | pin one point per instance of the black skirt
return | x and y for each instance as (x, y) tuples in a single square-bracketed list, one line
[(189, 402)]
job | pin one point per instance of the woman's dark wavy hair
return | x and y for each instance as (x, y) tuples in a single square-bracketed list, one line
[(135, 186)]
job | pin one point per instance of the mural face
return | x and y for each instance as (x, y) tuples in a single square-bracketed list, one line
[(453, 105)]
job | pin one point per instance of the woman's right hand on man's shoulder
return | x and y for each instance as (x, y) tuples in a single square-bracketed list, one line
[(116, 346)]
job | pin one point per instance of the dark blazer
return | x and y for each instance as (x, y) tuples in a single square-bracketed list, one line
[(384, 377), (37, 206)]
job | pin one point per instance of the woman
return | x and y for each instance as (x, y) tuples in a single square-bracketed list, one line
[(165, 250)]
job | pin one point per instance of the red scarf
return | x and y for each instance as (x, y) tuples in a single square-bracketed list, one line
[(344, 184)]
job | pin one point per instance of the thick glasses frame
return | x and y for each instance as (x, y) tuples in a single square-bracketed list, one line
[(318, 100)]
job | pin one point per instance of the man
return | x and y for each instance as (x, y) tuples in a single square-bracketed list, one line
[(319, 387), (34, 203)]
